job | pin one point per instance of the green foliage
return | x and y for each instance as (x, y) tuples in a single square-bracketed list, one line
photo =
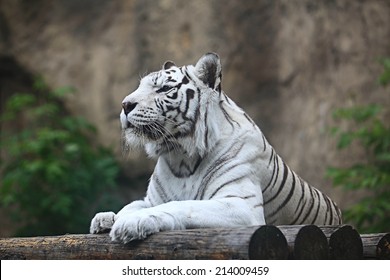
[(52, 176), (384, 79), (371, 213)]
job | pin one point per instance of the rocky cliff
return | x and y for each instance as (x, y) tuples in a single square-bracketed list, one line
[(289, 64)]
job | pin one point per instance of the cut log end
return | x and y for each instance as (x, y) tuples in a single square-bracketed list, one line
[(383, 248), (311, 244), (346, 244), (268, 242)]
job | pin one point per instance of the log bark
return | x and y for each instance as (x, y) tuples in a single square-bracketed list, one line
[(188, 244), (376, 246), (265, 242), (306, 242)]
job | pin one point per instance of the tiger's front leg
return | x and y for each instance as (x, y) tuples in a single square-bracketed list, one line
[(176, 215)]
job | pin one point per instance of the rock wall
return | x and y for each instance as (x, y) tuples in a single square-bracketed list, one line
[(289, 64)]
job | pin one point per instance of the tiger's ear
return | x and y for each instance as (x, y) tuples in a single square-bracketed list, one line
[(208, 70), (168, 64)]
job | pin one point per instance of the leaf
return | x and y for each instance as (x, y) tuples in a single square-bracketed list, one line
[(40, 84), (20, 101), (384, 78), (345, 140), (358, 113), (63, 91), (385, 157)]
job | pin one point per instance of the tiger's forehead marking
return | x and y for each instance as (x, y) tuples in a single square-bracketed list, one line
[(170, 75)]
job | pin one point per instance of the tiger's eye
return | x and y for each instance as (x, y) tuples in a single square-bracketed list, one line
[(164, 89)]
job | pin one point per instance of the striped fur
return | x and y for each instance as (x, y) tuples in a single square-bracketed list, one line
[(214, 166)]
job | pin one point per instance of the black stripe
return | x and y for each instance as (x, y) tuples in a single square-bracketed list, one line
[(206, 133), (285, 173), (189, 96), (287, 199), (337, 210), (301, 203), (190, 93), (328, 210), (188, 171), (225, 184), (158, 105), (250, 120), (217, 165), (265, 146), (219, 175), (194, 168), (319, 205), (174, 96), (308, 210), (187, 77), (227, 99), (185, 80), (147, 198), (247, 196), (270, 158), (250, 161), (276, 167), (160, 189), (227, 116), (152, 198), (242, 197)]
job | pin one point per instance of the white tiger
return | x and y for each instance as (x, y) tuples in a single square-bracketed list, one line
[(214, 169)]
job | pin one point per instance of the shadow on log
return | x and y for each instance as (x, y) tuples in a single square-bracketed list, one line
[(265, 242)]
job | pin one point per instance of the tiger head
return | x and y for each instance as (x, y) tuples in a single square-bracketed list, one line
[(168, 111)]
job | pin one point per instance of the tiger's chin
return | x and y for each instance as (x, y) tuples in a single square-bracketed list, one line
[(135, 140)]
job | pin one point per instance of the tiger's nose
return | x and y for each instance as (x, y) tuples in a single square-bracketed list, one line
[(128, 107)]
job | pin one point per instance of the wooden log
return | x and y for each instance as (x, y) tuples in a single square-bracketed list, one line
[(370, 245), (383, 248), (311, 244), (233, 243), (189, 244), (268, 243), (345, 244), (306, 242), (372, 248)]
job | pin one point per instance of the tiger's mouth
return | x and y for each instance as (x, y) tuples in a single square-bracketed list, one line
[(152, 131)]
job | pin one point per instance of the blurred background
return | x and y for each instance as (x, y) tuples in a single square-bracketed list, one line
[(312, 74)]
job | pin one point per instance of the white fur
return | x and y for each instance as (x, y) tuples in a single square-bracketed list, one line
[(214, 174)]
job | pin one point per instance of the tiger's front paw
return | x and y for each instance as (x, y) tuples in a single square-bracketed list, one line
[(102, 222), (140, 225)]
